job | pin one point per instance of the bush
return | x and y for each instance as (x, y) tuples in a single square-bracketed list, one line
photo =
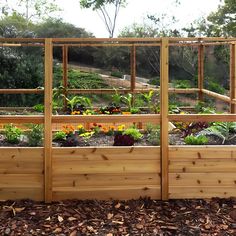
[(12, 133), (35, 135)]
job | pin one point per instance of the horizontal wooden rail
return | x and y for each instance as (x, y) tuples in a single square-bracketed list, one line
[(216, 95), (115, 40), (39, 119), (189, 90), (16, 40), (202, 117), (21, 91), (150, 118), (141, 44), (108, 44)]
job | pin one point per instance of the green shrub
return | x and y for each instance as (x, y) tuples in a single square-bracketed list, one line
[(117, 74), (182, 84), (35, 135), (12, 133), (196, 140)]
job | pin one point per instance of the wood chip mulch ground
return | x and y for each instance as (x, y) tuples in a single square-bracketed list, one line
[(110, 218)]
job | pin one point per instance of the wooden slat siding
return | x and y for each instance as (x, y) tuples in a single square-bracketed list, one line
[(164, 116), (79, 171), (96, 180), (48, 65), (200, 71), (21, 173), (65, 72), (233, 77), (117, 193), (112, 153), (74, 166), (201, 192), (21, 161), (216, 95), (202, 171), (21, 193), (202, 117), (149, 118), (203, 179)]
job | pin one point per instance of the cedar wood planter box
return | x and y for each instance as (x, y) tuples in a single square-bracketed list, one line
[(118, 172)]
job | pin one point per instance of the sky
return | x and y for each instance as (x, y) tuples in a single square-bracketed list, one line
[(135, 12)]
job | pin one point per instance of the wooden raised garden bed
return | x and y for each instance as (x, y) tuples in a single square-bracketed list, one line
[(160, 172)]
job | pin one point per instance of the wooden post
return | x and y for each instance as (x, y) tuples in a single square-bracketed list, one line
[(48, 60), (65, 72), (164, 118), (200, 71), (133, 71), (133, 67), (232, 77)]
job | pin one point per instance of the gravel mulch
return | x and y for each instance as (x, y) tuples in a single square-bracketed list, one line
[(110, 218)]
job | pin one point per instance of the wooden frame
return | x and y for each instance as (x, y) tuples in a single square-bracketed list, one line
[(164, 172)]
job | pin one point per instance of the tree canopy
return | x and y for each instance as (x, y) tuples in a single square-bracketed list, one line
[(101, 6)]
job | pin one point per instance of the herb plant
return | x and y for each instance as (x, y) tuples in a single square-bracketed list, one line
[(35, 135), (12, 133)]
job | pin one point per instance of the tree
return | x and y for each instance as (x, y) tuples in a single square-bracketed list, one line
[(31, 10), (223, 21), (102, 6)]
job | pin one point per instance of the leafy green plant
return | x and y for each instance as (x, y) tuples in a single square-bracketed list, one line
[(78, 103), (148, 98), (196, 140), (222, 130), (116, 98), (203, 108), (153, 132), (134, 110), (182, 84), (12, 133), (59, 136), (127, 99), (39, 107), (133, 132), (152, 100), (35, 135)]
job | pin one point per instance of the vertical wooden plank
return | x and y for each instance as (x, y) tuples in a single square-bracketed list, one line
[(65, 72), (133, 67), (48, 66), (233, 77), (164, 117), (200, 71)]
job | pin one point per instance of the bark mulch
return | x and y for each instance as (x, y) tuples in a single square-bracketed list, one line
[(110, 218)]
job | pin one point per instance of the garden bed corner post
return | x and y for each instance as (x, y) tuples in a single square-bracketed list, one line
[(164, 71), (48, 66), (200, 72), (233, 77)]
